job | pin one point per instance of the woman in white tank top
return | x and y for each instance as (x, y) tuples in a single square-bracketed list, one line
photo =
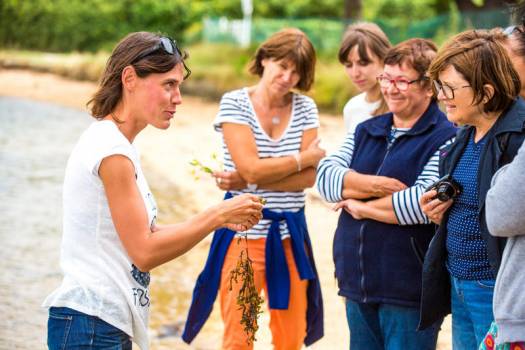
[(110, 238)]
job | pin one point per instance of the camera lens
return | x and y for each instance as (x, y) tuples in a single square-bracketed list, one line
[(445, 191)]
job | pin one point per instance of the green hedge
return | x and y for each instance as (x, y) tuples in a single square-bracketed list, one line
[(79, 25)]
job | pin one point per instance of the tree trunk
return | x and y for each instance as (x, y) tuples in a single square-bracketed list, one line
[(352, 10)]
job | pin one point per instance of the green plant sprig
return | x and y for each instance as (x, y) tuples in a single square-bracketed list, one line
[(199, 166)]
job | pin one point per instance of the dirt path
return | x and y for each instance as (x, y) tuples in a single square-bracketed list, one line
[(165, 156)]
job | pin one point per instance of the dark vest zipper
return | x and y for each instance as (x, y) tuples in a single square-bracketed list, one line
[(362, 233)]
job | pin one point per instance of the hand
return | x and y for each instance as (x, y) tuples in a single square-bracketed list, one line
[(312, 155), (383, 186), (352, 207), (229, 180), (434, 208), (241, 212)]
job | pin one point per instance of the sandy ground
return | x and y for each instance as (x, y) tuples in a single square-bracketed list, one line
[(165, 157)]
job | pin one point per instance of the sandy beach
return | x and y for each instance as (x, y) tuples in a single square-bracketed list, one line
[(165, 158)]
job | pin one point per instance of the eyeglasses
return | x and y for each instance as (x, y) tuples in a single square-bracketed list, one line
[(400, 84), (512, 29), (448, 91)]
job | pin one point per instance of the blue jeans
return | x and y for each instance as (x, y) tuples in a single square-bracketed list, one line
[(382, 326), (471, 312), (70, 329)]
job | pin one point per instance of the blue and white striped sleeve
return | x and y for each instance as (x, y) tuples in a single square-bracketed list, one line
[(307, 107), (231, 110), (332, 169), (406, 202)]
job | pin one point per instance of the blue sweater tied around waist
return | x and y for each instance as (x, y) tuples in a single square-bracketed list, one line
[(277, 274)]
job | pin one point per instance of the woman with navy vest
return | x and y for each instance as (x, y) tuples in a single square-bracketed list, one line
[(476, 81), (270, 149), (382, 234)]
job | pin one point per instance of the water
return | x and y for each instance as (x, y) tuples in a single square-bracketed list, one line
[(35, 141)]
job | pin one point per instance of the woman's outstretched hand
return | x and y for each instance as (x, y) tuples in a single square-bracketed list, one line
[(241, 212)]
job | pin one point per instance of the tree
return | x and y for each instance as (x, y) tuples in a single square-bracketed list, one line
[(353, 10), (469, 5)]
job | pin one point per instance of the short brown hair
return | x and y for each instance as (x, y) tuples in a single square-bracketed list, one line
[(417, 53), (126, 52), (479, 57), (364, 35), (288, 44)]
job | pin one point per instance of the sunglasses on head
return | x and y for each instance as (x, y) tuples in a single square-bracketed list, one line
[(167, 45), (513, 29)]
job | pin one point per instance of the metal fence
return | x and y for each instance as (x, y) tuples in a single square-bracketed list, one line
[(326, 33)]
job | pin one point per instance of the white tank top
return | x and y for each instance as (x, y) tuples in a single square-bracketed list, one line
[(99, 276)]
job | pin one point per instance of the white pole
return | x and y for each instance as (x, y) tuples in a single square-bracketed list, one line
[(247, 10)]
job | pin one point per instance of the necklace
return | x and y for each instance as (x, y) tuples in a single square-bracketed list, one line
[(276, 120)]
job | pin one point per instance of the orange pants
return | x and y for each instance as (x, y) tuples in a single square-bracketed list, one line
[(288, 327)]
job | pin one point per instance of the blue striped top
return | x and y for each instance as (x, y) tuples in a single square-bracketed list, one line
[(332, 169), (236, 107)]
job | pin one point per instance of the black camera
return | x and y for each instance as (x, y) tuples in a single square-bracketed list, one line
[(446, 188)]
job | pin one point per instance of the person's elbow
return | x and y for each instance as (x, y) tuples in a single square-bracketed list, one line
[(496, 227), (143, 262), (500, 223), (252, 174), (309, 177), (143, 258)]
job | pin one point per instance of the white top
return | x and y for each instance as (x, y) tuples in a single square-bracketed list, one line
[(236, 107), (99, 276), (357, 110)]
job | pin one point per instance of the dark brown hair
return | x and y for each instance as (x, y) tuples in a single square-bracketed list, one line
[(479, 57), (417, 53), (125, 54), (366, 36), (288, 44)]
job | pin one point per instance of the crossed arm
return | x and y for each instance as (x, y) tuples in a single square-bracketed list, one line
[(275, 173), (394, 203)]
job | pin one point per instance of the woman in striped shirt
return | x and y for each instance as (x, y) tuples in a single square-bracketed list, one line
[(270, 148)]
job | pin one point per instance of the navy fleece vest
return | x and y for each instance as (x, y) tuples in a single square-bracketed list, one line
[(377, 262)]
